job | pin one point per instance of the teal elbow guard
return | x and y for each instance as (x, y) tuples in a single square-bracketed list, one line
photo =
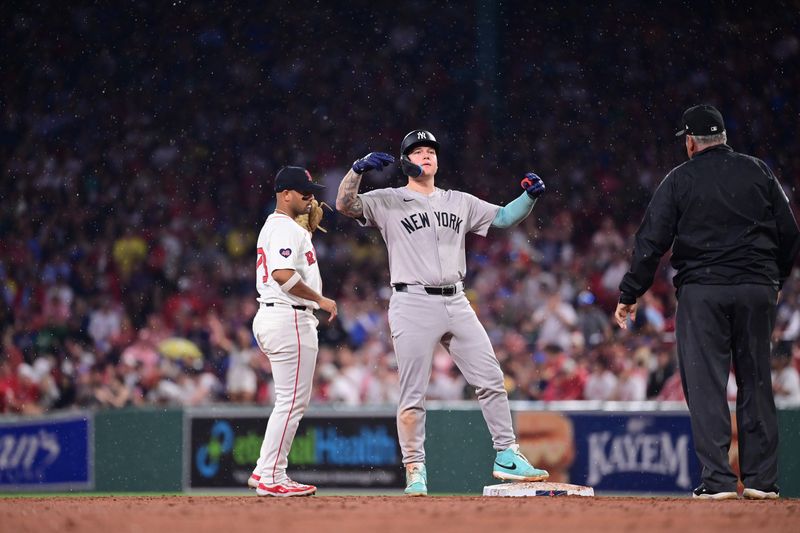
[(515, 212)]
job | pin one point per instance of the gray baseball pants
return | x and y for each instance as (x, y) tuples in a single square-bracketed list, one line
[(418, 322)]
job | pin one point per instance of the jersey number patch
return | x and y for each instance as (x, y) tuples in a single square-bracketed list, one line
[(310, 258), (262, 260)]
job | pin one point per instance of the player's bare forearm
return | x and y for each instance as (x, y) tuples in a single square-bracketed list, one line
[(347, 200), (301, 290)]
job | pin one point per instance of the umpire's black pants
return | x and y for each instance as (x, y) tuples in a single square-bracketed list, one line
[(714, 324)]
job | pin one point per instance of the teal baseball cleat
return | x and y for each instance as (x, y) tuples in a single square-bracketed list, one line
[(416, 480), (511, 465)]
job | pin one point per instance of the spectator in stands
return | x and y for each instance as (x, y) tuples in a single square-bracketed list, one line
[(105, 197), (105, 324), (664, 368), (592, 322), (350, 384), (568, 383), (785, 380), (554, 321), (632, 385), (601, 383), (607, 242), (447, 383)]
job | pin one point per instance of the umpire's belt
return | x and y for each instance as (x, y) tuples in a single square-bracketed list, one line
[(443, 290), (272, 304)]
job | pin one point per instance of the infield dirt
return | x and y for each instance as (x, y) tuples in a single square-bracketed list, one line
[(385, 514)]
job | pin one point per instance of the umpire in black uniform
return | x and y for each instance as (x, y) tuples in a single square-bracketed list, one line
[(734, 240)]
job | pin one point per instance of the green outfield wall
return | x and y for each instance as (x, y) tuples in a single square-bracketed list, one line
[(458, 450), (615, 450), (789, 452), (138, 450)]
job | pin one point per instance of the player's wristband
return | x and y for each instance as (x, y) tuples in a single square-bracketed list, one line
[(291, 282)]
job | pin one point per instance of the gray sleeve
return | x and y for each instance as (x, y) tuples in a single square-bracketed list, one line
[(480, 214), (375, 204)]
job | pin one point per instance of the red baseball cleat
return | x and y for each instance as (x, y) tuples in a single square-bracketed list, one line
[(285, 489), (252, 481)]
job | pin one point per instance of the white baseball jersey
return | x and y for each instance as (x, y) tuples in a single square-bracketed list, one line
[(284, 244), (425, 234)]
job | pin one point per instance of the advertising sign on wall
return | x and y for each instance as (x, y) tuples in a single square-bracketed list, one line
[(613, 452), (328, 451), (635, 452), (52, 454)]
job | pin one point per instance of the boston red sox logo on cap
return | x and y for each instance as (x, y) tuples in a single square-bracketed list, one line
[(296, 179)]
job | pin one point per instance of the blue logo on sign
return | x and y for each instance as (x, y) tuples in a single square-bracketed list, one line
[(45, 452), (634, 452), (221, 441), (26, 456)]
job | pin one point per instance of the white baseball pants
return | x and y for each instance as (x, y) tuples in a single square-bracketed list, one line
[(288, 337)]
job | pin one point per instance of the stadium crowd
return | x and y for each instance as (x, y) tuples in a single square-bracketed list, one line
[(138, 145)]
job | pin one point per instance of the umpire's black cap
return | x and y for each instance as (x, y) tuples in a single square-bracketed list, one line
[(296, 179), (702, 120)]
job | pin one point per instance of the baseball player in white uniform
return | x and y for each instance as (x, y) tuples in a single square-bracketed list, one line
[(425, 228), (289, 289)]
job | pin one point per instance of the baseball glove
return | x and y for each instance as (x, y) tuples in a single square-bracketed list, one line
[(311, 220)]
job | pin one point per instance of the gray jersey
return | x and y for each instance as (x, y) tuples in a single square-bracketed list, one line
[(425, 234)]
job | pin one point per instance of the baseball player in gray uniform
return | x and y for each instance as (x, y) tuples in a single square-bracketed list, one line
[(425, 228)]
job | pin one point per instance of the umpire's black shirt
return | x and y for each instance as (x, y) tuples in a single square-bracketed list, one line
[(730, 222)]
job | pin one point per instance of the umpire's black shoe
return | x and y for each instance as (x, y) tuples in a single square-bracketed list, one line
[(705, 493), (772, 493)]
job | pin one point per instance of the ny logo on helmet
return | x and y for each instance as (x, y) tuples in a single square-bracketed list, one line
[(421, 135)]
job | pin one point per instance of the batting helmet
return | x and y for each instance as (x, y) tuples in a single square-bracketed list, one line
[(418, 138)]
